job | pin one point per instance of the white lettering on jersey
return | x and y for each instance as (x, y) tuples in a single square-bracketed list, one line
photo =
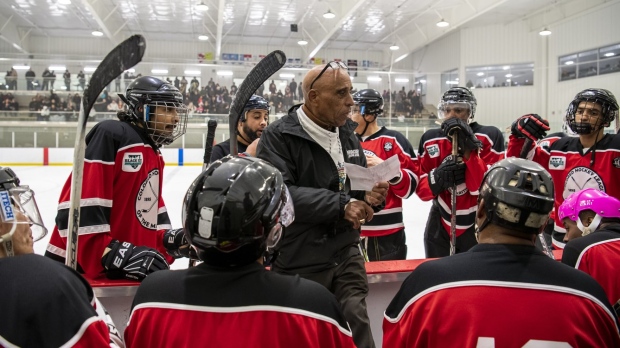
[(353, 153), (132, 162), (146, 207)]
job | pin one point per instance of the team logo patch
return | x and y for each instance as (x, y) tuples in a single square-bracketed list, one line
[(146, 201), (544, 144), (7, 208), (461, 189), (557, 162), (387, 146), (581, 178), (132, 162), (433, 150), (353, 153), (616, 162)]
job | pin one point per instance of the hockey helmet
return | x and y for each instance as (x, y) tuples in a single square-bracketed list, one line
[(157, 106), (602, 204), (517, 194), (235, 210), (256, 102), (600, 96), (369, 101), (455, 97)]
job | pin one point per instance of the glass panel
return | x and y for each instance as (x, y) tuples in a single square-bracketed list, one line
[(588, 56), (587, 69), (449, 79), (500, 75)]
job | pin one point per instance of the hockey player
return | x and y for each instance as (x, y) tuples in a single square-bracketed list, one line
[(123, 217), (479, 147), (575, 163), (500, 275), (233, 212), (251, 124), (385, 234), (37, 292), (596, 216)]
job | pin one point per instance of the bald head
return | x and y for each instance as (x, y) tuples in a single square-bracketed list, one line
[(328, 101), (310, 76)]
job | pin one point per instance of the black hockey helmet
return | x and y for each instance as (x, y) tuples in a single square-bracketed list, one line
[(143, 96), (369, 101), (600, 96), (458, 95), (256, 102), (518, 194), (8, 179), (235, 210)]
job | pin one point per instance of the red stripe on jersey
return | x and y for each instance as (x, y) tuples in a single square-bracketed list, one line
[(602, 261)]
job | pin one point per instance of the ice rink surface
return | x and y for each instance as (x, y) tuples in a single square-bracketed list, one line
[(48, 181)]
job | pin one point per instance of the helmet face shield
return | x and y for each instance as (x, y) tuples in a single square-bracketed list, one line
[(448, 109), (165, 121)]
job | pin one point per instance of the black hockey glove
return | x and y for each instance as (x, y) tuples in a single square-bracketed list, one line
[(447, 175), (175, 243), (466, 138), (530, 126), (124, 260)]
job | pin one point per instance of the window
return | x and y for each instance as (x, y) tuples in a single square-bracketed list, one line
[(593, 62), (609, 59), (449, 79), (568, 67), (420, 85), (505, 75)]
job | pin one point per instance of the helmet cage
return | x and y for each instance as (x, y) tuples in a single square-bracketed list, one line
[(602, 97), (162, 126), (457, 95)]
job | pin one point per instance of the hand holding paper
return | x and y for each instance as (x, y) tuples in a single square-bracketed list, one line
[(364, 179)]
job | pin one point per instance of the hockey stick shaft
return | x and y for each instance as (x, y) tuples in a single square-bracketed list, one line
[(268, 66), (455, 153), (526, 148), (206, 159), (122, 57)]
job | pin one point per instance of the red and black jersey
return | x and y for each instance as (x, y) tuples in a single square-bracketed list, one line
[(598, 254), (121, 197), (499, 295), (435, 148), (46, 304), (246, 306), (574, 168), (384, 144)]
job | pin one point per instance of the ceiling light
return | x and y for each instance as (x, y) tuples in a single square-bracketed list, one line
[(285, 75), (403, 80), (302, 42), (17, 46), (159, 71), (544, 32), (132, 70), (609, 54), (57, 67), (373, 79), (351, 77), (480, 74), (329, 14), (202, 7), (97, 33), (570, 62), (508, 75), (442, 23), (64, 2), (422, 81), (225, 73), (21, 67), (203, 37), (192, 72), (89, 69), (394, 47)]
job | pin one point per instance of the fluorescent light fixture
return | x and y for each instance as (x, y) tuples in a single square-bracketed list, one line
[(401, 58), (17, 46), (508, 80), (394, 47), (89, 69), (508, 75), (442, 23), (403, 80), (202, 7), (302, 42), (225, 73), (351, 77), (57, 67), (21, 67), (203, 37), (285, 75), (422, 81), (506, 67), (192, 72), (452, 82), (159, 71), (373, 79), (544, 32), (329, 14), (97, 33), (64, 2), (570, 62), (609, 54), (480, 74), (132, 70)]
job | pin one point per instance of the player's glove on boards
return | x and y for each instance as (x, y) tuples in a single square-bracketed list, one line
[(447, 175), (175, 243), (466, 137), (124, 260), (530, 126)]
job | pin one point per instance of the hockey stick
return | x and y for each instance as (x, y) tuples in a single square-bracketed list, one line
[(526, 148), (206, 159), (268, 66), (455, 152), (127, 54)]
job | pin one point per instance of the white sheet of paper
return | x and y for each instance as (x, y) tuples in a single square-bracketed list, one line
[(364, 179)]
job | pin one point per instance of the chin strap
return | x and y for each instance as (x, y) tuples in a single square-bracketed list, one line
[(593, 226)]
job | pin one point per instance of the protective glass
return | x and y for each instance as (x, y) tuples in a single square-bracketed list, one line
[(445, 108), (165, 121), (21, 199), (334, 65)]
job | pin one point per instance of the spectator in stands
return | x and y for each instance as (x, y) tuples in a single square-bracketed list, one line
[(30, 75), (52, 79), (81, 79), (272, 87), (67, 77), (293, 88), (183, 85)]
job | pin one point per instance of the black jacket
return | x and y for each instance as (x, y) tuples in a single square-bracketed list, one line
[(320, 237)]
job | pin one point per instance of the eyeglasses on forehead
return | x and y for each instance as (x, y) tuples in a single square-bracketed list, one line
[(334, 65)]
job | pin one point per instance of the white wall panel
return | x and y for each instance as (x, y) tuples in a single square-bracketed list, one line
[(501, 106)]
